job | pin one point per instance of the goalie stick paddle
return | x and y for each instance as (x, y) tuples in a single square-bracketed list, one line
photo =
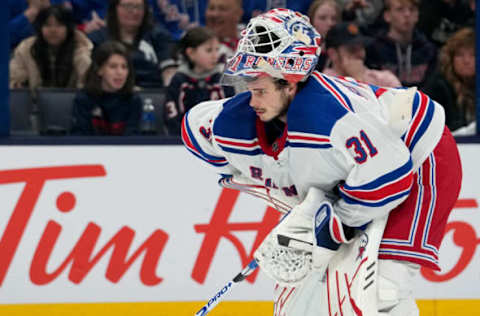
[(227, 288)]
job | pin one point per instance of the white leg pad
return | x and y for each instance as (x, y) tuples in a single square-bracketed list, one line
[(395, 288), (302, 300)]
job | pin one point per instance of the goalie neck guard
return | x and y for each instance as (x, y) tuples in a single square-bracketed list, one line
[(280, 43)]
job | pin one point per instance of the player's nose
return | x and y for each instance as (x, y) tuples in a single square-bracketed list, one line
[(254, 102)]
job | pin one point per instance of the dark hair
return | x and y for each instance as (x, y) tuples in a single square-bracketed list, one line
[(280, 83), (58, 74), (464, 87), (93, 82), (388, 3), (194, 38), (113, 27)]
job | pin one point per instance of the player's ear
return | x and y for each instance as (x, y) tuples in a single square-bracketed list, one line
[(292, 88)]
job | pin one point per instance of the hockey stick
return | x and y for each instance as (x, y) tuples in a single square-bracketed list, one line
[(227, 288)]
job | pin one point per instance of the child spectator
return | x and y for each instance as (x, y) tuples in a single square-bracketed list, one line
[(453, 86), (197, 78), (323, 15), (58, 56), (346, 51), (130, 22), (402, 48), (108, 105)]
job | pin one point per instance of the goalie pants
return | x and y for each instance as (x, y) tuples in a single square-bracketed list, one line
[(416, 227)]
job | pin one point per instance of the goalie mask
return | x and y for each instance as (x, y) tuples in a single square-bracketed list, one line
[(280, 43)]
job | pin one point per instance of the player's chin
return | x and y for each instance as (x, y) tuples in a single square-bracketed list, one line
[(265, 118)]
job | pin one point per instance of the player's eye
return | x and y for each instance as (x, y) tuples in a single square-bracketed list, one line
[(260, 92)]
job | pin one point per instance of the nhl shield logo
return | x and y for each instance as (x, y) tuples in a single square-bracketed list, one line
[(363, 242)]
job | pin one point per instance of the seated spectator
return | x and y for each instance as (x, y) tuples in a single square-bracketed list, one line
[(130, 22), (22, 16), (108, 105), (453, 86), (58, 56), (402, 48), (223, 17), (197, 78), (346, 52), (323, 15)]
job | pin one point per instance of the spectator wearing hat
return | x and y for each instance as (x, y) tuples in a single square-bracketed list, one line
[(346, 54)]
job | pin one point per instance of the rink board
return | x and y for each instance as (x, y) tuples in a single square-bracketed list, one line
[(427, 308), (100, 230)]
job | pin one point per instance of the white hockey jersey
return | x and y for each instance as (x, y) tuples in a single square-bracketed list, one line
[(361, 141)]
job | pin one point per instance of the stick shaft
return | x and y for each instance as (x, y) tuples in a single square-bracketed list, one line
[(227, 288)]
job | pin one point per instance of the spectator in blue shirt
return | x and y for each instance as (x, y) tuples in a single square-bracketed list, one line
[(178, 15)]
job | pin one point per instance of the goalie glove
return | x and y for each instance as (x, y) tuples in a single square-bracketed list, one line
[(305, 239)]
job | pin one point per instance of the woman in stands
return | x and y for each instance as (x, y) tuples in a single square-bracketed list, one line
[(58, 56), (197, 78), (453, 86), (323, 15), (108, 104), (130, 22)]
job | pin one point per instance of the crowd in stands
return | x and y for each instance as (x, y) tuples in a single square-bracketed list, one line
[(110, 51)]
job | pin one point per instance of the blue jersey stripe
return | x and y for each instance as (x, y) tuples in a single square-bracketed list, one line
[(386, 178), (424, 125), (344, 96), (309, 145), (407, 254), (416, 104), (392, 198), (254, 152), (215, 164)]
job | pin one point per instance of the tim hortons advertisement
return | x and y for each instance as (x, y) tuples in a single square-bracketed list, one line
[(150, 223)]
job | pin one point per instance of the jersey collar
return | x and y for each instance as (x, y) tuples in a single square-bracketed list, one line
[(276, 147)]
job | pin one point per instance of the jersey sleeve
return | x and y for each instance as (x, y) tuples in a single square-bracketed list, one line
[(378, 168), (197, 135)]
